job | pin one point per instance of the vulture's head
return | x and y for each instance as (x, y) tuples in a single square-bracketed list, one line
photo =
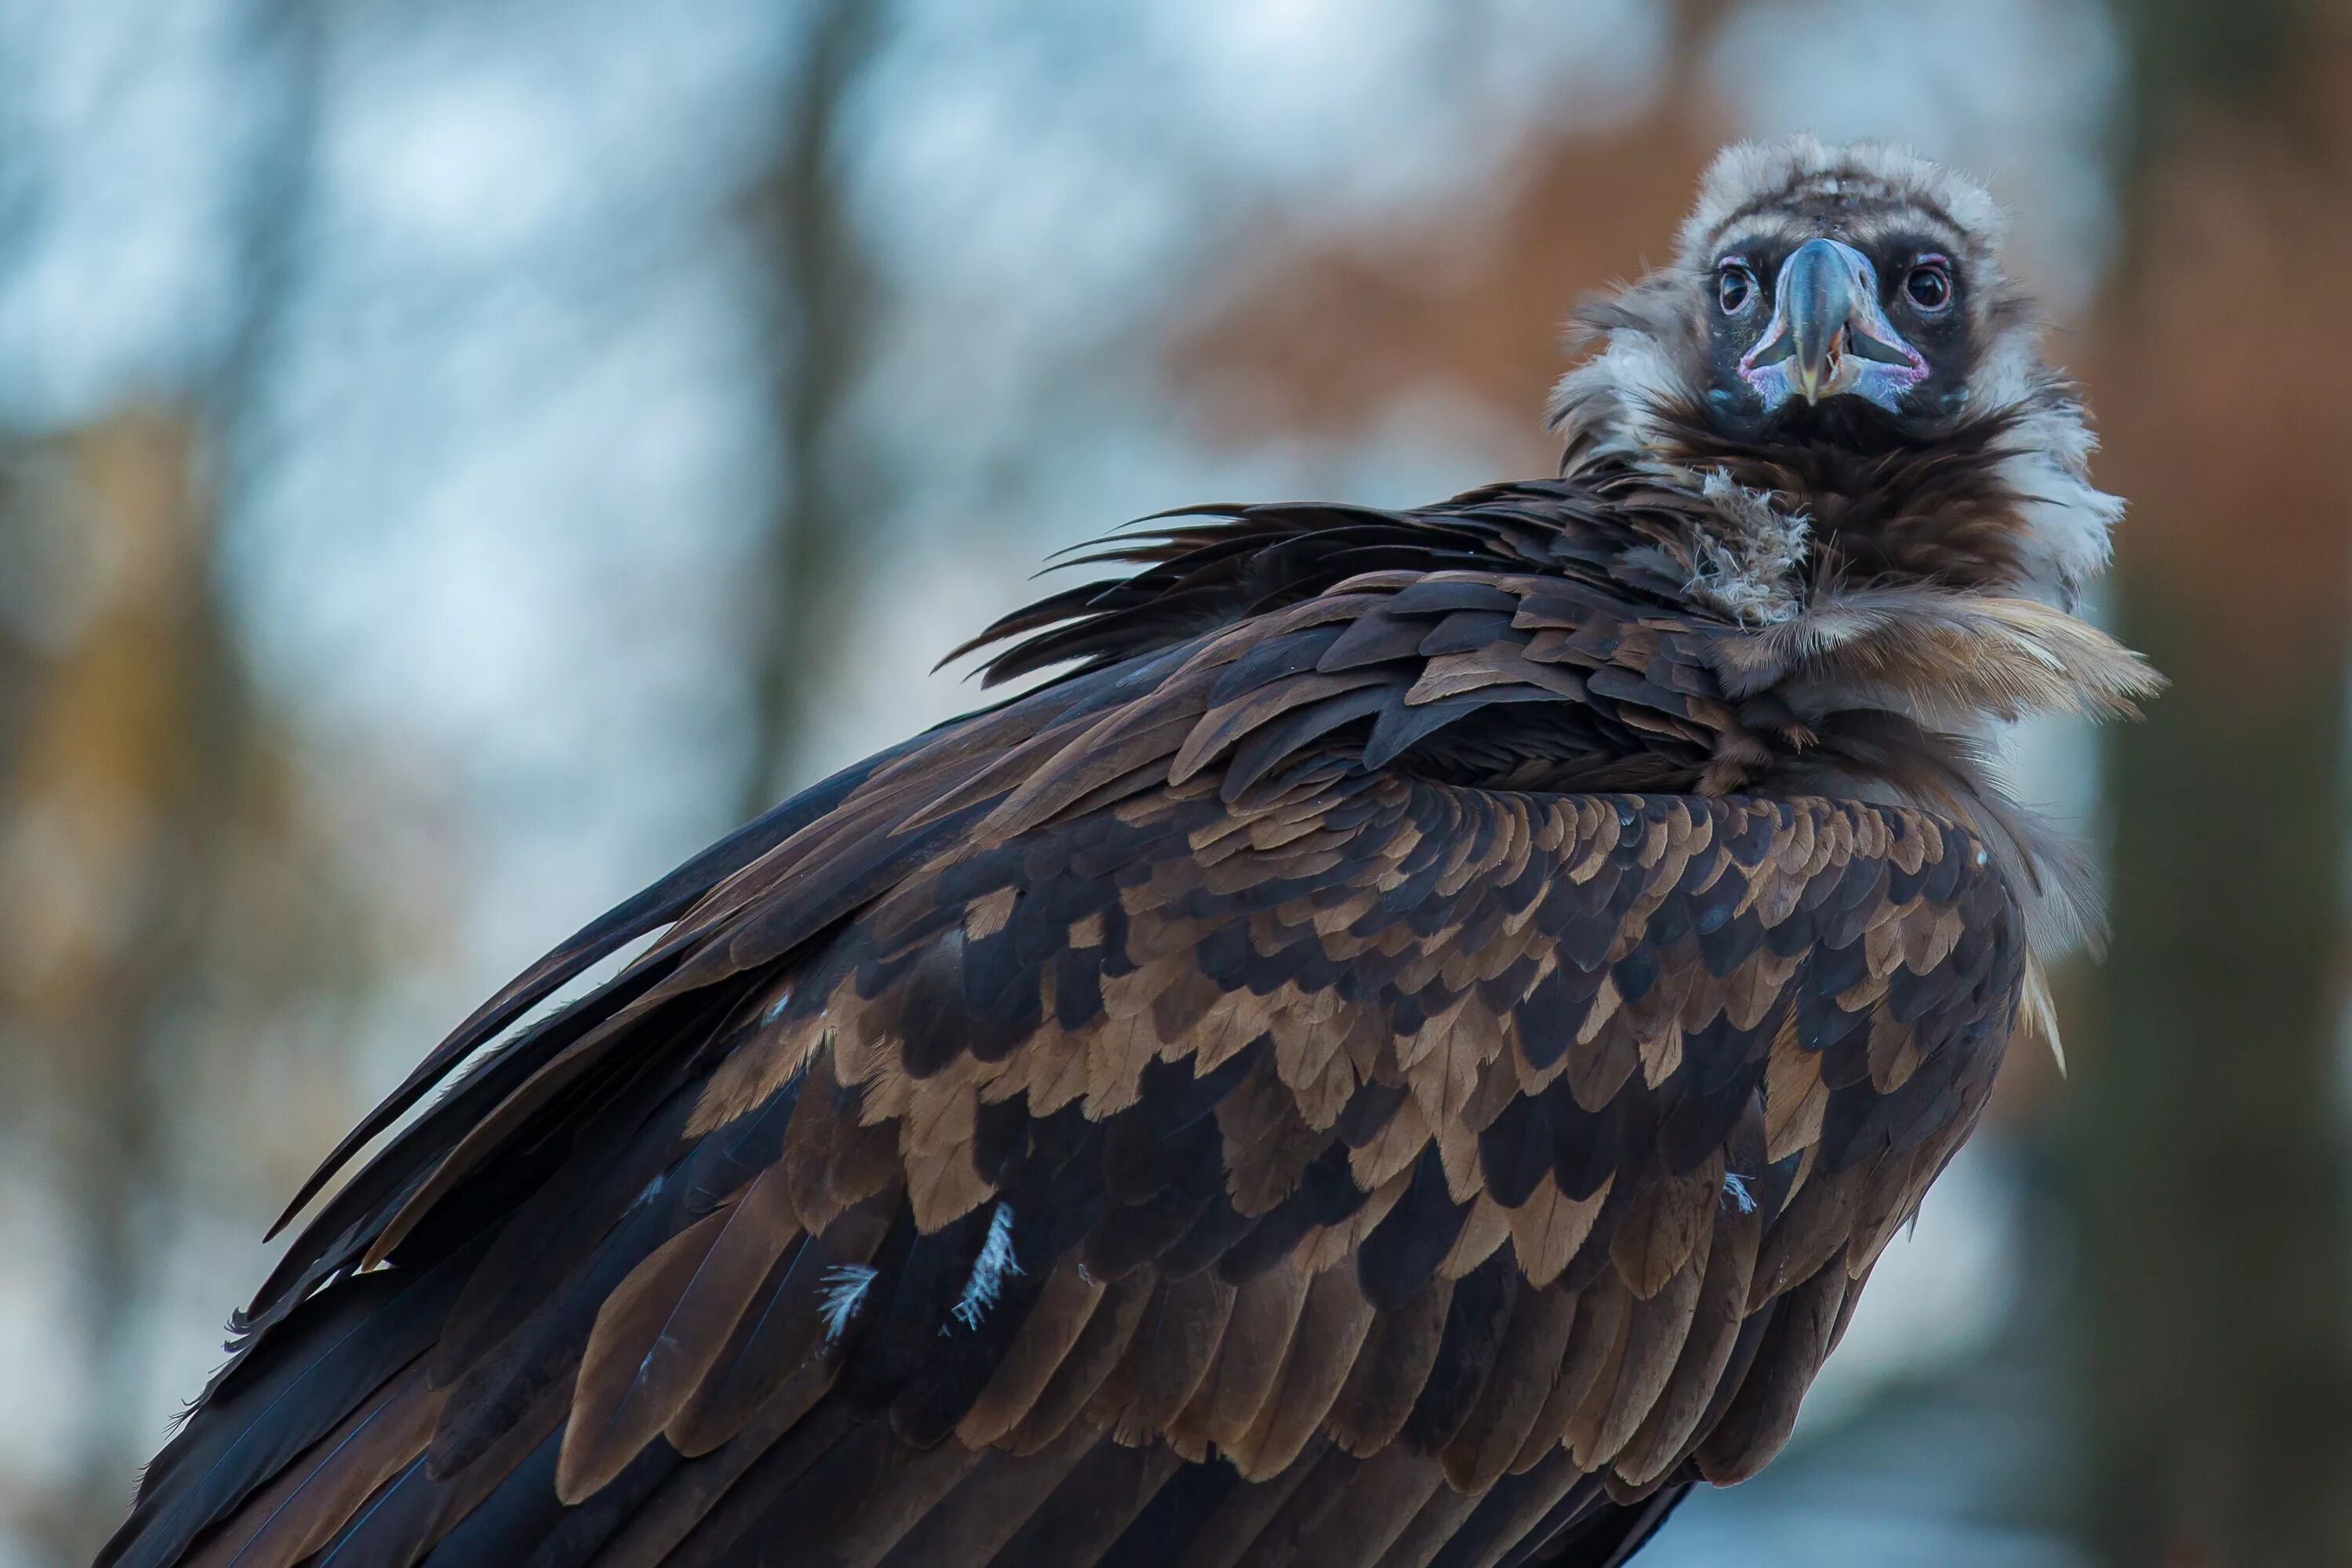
[(1831, 312)]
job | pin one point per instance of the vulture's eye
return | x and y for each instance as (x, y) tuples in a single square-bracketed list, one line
[(1930, 284), (1735, 286)]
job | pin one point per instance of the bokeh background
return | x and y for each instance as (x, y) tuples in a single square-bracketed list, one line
[(456, 456)]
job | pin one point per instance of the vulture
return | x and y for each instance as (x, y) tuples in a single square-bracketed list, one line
[(1401, 1048)]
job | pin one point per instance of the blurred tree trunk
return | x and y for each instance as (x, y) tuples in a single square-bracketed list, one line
[(165, 894), (2217, 1333), (805, 588), (132, 738)]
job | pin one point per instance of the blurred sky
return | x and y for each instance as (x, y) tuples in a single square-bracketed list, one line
[(505, 436)]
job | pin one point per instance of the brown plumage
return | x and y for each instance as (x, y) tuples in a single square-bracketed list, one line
[(1405, 1052)]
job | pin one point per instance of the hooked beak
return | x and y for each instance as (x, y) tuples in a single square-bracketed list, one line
[(1828, 334)]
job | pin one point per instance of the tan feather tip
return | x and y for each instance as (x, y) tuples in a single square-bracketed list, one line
[(2037, 1012)]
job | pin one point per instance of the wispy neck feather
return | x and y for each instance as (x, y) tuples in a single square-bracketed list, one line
[(1617, 401), (2045, 462)]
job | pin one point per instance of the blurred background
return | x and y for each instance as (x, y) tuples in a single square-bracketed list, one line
[(458, 458)]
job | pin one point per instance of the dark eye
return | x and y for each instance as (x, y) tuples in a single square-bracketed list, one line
[(1930, 285), (1735, 286)]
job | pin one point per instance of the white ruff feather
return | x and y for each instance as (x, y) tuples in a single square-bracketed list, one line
[(1753, 571), (844, 1292), (1734, 1187), (989, 1270)]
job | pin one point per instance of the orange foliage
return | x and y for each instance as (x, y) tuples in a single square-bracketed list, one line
[(1324, 332)]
